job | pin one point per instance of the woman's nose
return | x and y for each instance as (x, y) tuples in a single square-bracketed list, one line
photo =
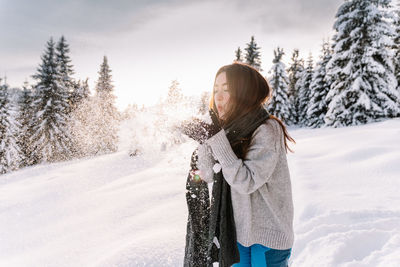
[(219, 96)]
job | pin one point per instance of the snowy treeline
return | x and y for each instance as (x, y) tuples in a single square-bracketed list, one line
[(356, 79), (56, 119)]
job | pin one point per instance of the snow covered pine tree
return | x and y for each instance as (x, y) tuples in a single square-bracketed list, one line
[(9, 149), (253, 55), (319, 88), (304, 92), (294, 74), (25, 131), (396, 23), (106, 115), (361, 68), (279, 104), (65, 68), (238, 55), (50, 133)]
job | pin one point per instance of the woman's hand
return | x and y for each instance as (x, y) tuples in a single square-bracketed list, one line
[(200, 130)]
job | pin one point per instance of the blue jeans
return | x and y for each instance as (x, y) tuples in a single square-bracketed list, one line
[(260, 256)]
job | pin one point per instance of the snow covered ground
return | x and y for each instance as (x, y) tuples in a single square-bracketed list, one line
[(115, 210)]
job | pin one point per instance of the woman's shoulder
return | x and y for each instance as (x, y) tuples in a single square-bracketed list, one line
[(269, 132), (269, 127)]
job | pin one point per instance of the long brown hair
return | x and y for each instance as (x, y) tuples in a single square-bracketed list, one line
[(248, 91)]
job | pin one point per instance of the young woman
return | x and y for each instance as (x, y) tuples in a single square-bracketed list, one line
[(247, 147)]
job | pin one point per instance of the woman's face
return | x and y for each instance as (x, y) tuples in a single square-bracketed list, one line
[(221, 94)]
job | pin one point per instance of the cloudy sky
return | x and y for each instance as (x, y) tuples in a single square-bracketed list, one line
[(149, 43)]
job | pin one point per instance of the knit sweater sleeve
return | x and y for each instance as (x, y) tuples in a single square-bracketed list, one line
[(249, 174)]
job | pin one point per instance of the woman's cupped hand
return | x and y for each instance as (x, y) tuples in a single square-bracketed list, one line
[(200, 130)]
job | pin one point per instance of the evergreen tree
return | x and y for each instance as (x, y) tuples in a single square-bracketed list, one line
[(319, 88), (51, 138), (25, 120), (279, 105), (65, 69), (9, 150), (294, 74), (253, 57), (361, 69), (238, 55), (63, 61), (107, 116), (304, 92), (397, 46)]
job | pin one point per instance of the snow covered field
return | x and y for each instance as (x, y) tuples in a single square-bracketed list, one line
[(115, 210)]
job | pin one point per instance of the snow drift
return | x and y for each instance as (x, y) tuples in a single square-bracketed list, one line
[(117, 210)]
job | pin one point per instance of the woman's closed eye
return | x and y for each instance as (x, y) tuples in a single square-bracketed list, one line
[(223, 90)]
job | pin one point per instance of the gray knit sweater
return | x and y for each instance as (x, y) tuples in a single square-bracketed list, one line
[(260, 185)]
